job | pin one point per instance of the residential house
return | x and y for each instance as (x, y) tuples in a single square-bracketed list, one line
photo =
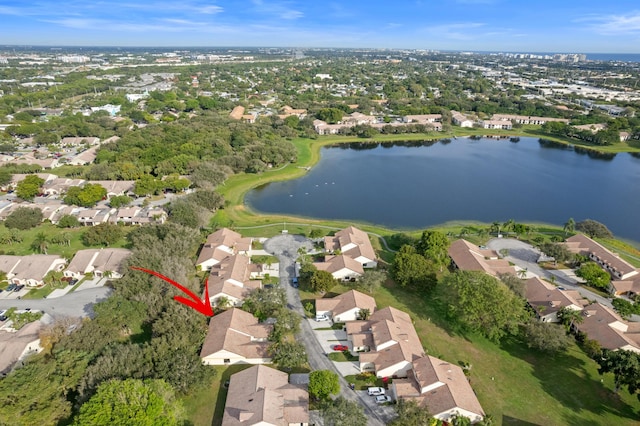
[(231, 279), (603, 325), (341, 267), (629, 287), (15, 346), (392, 342), (440, 387), (425, 119), (346, 306), (496, 124), (354, 243), (469, 257), (59, 186), (116, 187), (30, 270), (460, 119), (100, 262), (93, 217), (237, 112), (546, 299), (85, 157), (619, 268), (525, 119), (262, 395), (236, 337), (77, 141), (221, 244), (44, 163)]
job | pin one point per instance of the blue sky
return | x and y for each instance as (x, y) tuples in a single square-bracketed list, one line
[(495, 25)]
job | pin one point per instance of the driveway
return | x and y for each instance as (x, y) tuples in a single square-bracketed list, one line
[(285, 247), (525, 256)]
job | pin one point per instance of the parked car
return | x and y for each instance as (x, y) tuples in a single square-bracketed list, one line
[(12, 287), (322, 317), (375, 391), (3, 318), (382, 399), (19, 287), (294, 282), (340, 347)]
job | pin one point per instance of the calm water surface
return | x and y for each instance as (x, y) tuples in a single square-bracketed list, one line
[(485, 180)]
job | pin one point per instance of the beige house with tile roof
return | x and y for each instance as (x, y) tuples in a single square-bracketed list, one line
[(116, 187), (354, 243), (109, 261), (442, 388), (394, 343), (263, 396), (341, 267), (220, 244), (546, 300), (469, 257), (629, 287), (617, 267), (231, 278), (15, 346), (30, 270), (346, 306), (236, 337)]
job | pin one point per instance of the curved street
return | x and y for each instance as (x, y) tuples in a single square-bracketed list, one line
[(74, 304), (285, 247), (525, 256)]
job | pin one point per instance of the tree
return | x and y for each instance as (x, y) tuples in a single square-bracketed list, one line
[(410, 269), (558, 251), (5, 175), (29, 187), (623, 307), (342, 412), (330, 115), (364, 314), (288, 355), (187, 214), (131, 401), (87, 196), (103, 234), (40, 244), (410, 414), (625, 366), (515, 284), (54, 279), (371, 280), (594, 275), (479, 302), (545, 337), (68, 221), (287, 323), (569, 226), (434, 246), (322, 281), (265, 302), (322, 384), (146, 185), (594, 229), (118, 201), (568, 317), (23, 218)]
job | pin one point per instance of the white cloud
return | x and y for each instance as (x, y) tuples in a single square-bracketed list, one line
[(615, 24), (280, 9)]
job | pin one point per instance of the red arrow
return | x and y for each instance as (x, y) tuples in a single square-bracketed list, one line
[(202, 306)]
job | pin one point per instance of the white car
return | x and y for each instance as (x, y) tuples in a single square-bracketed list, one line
[(383, 399), (375, 391), (322, 317)]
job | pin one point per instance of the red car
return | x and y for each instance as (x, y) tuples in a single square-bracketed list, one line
[(340, 347)]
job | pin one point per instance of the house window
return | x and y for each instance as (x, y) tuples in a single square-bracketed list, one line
[(227, 361)]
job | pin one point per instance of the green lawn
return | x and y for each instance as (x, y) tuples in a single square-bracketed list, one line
[(205, 405), (29, 235), (39, 293), (511, 381)]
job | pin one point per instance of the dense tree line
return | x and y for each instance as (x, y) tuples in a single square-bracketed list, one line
[(139, 333)]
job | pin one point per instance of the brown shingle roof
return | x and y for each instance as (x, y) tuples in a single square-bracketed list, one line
[(539, 293), (345, 302), (469, 257), (233, 331), (582, 244)]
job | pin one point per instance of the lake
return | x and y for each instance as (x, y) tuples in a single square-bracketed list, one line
[(420, 184)]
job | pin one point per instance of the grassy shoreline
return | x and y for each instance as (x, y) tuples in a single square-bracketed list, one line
[(238, 215)]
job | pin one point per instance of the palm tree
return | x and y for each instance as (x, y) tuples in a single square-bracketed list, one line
[(522, 273), (40, 244), (570, 226), (568, 317), (495, 227), (364, 314), (508, 225)]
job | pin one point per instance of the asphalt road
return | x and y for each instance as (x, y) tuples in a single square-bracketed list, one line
[(285, 247), (75, 304), (525, 256)]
